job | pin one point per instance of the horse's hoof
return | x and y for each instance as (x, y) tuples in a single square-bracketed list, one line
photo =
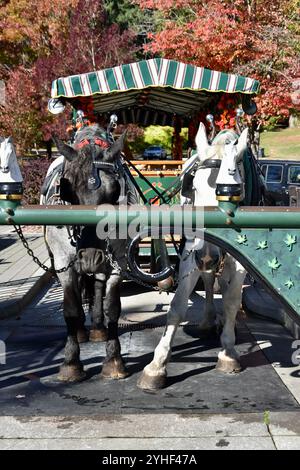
[(152, 382), (166, 284), (82, 335), (74, 373), (98, 335), (228, 366), (114, 369)]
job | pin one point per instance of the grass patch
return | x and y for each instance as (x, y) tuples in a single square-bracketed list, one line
[(280, 144)]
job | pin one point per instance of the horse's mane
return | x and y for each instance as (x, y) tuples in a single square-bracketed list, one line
[(223, 136), (80, 170), (89, 132), (217, 146)]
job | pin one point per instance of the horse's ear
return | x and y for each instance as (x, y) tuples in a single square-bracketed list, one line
[(1, 139), (9, 140), (118, 146), (242, 144), (66, 150), (201, 140)]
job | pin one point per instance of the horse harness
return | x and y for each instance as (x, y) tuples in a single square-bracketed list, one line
[(203, 262), (94, 180), (187, 182), (58, 187)]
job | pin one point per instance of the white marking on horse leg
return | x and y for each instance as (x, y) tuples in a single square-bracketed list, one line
[(175, 315), (231, 304)]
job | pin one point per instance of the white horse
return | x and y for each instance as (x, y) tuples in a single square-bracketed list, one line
[(9, 167), (203, 259)]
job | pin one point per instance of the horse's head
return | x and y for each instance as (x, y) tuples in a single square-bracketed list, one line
[(219, 163), (90, 170), (92, 176), (233, 153), (7, 152)]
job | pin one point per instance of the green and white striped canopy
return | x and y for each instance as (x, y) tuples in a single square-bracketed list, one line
[(157, 85)]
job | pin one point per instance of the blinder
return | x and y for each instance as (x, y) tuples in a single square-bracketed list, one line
[(187, 181), (187, 185), (94, 180)]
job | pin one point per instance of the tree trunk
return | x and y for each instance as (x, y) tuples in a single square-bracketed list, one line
[(294, 121)]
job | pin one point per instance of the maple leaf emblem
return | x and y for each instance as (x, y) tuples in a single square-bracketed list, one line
[(289, 283), (274, 264), (290, 241), (242, 239), (262, 245)]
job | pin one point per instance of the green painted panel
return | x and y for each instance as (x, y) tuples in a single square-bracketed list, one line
[(273, 255), (161, 183)]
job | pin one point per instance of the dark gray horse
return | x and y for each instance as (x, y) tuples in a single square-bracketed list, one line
[(91, 175)]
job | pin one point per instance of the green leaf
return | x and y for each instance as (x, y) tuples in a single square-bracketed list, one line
[(262, 245), (289, 283), (290, 241), (274, 264), (242, 239), (267, 417)]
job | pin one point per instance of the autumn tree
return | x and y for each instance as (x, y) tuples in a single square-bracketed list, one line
[(87, 43), (129, 16), (31, 29), (259, 38)]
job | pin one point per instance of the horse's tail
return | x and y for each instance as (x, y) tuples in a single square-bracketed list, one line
[(87, 284)]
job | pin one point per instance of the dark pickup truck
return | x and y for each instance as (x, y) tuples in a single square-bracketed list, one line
[(282, 179)]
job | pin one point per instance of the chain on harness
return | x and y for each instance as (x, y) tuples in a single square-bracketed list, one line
[(30, 252)]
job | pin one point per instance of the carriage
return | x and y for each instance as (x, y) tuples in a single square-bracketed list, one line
[(166, 93), (159, 91)]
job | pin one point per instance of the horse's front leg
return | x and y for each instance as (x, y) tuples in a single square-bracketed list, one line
[(228, 358), (154, 375), (72, 369), (209, 318), (98, 331), (113, 365)]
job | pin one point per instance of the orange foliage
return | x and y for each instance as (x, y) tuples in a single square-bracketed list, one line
[(256, 38)]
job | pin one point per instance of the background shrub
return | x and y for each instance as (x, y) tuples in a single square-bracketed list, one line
[(33, 171)]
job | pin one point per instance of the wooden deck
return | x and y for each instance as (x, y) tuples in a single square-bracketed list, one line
[(19, 275)]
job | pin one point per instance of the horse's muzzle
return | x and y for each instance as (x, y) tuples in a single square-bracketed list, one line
[(4, 169), (208, 259), (89, 260)]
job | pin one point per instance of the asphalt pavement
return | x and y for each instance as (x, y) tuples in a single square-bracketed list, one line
[(199, 409)]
